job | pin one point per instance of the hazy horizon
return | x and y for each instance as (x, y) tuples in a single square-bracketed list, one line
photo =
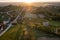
[(19, 3), (30, 0)]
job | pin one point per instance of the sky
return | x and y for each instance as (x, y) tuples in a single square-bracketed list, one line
[(30, 0)]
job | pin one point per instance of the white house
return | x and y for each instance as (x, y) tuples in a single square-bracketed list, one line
[(5, 22), (46, 24), (41, 16)]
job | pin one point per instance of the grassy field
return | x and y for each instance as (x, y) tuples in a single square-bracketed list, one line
[(55, 23), (10, 34), (16, 32)]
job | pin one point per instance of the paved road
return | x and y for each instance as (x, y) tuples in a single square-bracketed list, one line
[(19, 15), (10, 24)]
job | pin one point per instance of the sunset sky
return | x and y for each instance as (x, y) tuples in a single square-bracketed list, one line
[(30, 0)]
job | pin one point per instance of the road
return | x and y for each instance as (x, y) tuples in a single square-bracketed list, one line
[(10, 24), (19, 14)]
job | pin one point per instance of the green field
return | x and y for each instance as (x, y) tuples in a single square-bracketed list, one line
[(10, 34), (55, 23), (17, 31)]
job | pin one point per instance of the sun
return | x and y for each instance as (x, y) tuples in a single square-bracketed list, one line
[(28, 1)]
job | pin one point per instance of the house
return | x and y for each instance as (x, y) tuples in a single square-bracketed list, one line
[(41, 16), (46, 23), (1, 27), (5, 21), (57, 30)]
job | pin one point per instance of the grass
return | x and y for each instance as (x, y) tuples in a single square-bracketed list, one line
[(55, 23), (17, 32), (10, 34), (13, 33)]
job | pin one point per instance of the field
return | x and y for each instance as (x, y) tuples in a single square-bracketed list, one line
[(55, 23)]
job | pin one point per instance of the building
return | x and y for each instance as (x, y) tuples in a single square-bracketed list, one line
[(46, 23), (41, 16)]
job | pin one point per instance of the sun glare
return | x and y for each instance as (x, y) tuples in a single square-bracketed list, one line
[(28, 1)]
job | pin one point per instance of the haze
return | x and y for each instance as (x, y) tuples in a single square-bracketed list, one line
[(30, 0)]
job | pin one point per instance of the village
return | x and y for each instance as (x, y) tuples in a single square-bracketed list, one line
[(29, 22)]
